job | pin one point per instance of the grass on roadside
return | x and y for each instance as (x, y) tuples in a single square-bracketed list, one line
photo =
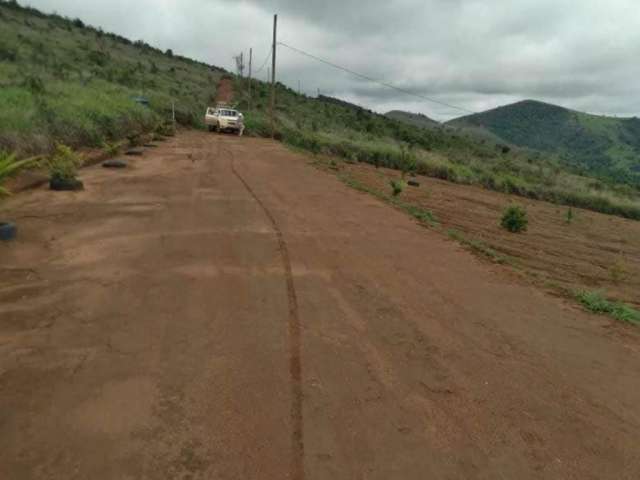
[(478, 247), (597, 303), (424, 216)]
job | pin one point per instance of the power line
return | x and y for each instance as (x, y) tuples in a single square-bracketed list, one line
[(365, 77), (264, 64)]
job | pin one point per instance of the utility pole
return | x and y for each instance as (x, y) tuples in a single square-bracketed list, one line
[(240, 64), (250, 60), (299, 89), (273, 77)]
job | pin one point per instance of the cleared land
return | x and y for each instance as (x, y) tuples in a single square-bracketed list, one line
[(153, 325), (591, 251)]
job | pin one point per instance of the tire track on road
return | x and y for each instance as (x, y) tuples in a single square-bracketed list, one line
[(295, 363)]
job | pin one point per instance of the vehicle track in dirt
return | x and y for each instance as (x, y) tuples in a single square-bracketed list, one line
[(295, 361)]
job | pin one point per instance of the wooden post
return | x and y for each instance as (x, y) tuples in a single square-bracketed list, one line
[(273, 77), (250, 60)]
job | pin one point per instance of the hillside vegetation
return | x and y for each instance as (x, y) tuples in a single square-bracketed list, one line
[(63, 81), (415, 119), (321, 125), (606, 147)]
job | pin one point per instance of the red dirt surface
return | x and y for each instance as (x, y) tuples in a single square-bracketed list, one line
[(223, 310), (225, 92), (593, 252)]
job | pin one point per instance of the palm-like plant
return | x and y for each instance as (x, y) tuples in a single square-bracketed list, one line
[(10, 165)]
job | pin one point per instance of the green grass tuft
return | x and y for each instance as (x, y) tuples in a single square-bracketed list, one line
[(478, 247), (597, 303)]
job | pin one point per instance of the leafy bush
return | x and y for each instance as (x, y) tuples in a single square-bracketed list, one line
[(257, 125), (166, 129), (10, 165), (514, 219), (397, 186), (64, 163), (111, 149)]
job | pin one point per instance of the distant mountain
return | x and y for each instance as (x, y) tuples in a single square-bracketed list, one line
[(415, 119), (605, 146)]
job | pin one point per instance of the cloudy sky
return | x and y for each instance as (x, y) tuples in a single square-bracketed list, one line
[(476, 54)]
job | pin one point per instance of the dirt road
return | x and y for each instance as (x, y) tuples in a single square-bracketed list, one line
[(223, 310)]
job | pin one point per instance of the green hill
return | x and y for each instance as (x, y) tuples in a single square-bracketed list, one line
[(605, 147), (415, 119), (61, 80)]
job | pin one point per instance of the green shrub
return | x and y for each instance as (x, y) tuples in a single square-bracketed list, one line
[(64, 163), (569, 217), (134, 138), (514, 219), (10, 165), (397, 186), (111, 149), (167, 129), (256, 125)]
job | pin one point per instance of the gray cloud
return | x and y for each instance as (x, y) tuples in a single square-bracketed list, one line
[(473, 53)]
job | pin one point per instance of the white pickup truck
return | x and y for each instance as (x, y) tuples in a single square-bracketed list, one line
[(224, 119)]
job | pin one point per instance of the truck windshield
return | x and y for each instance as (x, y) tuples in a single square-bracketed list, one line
[(228, 113)]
